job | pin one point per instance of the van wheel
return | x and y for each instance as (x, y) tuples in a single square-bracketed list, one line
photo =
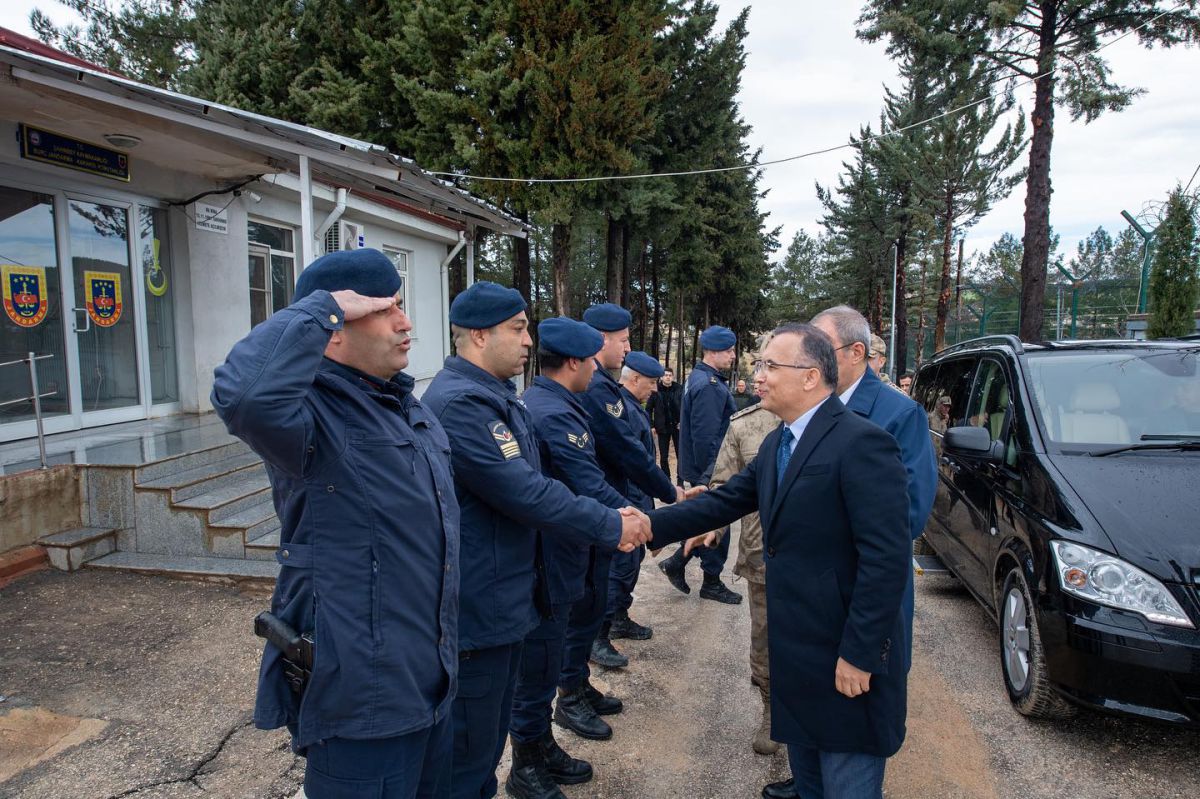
[(922, 547), (1021, 656)]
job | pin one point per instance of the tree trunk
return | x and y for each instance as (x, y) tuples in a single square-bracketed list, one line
[(643, 302), (958, 295), (943, 302), (613, 255), (1036, 254), (654, 333), (626, 268), (921, 321), (560, 245), (523, 283), (901, 354), (679, 331)]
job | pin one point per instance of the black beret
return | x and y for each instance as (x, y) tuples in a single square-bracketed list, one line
[(368, 272), (607, 317), (644, 364), (717, 338), (569, 338), (485, 305)]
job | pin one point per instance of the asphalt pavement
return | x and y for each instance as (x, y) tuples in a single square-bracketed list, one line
[(120, 685)]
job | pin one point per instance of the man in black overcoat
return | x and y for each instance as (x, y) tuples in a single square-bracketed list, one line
[(830, 488)]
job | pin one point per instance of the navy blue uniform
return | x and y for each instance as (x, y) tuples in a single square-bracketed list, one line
[(505, 499), (626, 566), (704, 418), (361, 478), (568, 454)]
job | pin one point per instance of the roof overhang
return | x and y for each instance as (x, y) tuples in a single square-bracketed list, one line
[(221, 142)]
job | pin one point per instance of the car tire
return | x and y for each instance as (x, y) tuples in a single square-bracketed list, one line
[(922, 547), (1022, 659)]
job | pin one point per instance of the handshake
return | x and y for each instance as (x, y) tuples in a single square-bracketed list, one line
[(635, 525)]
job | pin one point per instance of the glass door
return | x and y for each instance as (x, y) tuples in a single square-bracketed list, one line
[(104, 314), (33, 318)]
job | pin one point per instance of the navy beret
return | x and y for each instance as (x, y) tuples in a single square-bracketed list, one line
[(369, 272), (644, 364), (717, 338), (485, 305), (607, 317), (569, 338)]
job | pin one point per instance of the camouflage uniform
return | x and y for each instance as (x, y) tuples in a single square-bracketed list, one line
[(747, 429)]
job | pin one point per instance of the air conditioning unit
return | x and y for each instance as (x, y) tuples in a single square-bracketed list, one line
[(344, 236)]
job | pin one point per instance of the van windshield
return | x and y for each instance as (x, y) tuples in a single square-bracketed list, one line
[(1118, 396)]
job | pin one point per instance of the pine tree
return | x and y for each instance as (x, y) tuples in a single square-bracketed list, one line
[(1173, 287)]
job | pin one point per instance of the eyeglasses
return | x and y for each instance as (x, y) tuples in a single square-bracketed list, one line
[(771, 366)]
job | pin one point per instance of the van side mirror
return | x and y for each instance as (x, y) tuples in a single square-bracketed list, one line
[(972, 442)]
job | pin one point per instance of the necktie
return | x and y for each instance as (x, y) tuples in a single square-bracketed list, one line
[(784, 454)]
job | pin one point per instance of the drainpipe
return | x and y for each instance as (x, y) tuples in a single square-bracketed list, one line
[(445, 270), (338, 209), (471, 257), (306, 215)]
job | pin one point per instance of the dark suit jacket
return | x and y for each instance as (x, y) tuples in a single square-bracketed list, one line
[(838, 555)]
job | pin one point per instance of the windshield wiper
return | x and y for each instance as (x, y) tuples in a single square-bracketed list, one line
[(1185, 444)]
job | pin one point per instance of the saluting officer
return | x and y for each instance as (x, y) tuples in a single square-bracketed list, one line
[(568, 453), (505, 499), (639, 379), (704, 418), (625, 463), (360, 472)]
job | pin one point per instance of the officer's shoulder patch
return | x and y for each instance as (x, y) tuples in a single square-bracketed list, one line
[(713, 379), (580, 440), (746, 411), (615, 409), (505, 440)]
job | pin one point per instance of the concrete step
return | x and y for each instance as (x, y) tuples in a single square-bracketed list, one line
[(263, 546), (255, 519), (201, 479), (202, 456), (70, 549), (231, 496), (230, 570)]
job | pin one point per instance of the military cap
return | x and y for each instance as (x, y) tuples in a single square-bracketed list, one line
[(877, 347), (607, 317), (485, 305), (717, 338), (368, 272), (944, 400), (569, 338), (644, 364)]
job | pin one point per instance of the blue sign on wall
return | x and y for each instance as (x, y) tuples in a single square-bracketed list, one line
[(51, 148)]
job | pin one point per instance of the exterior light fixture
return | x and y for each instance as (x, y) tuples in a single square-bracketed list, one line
[(122, 141)]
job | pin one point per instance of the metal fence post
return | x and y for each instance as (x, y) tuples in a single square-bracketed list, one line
[(37, 408)]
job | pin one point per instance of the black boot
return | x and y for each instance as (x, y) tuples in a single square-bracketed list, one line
[(625, 627), (604, 653), (574, 712), (562, 768), (714, 589), (603, 704), (673, 567), (780, 790), (528, 778)]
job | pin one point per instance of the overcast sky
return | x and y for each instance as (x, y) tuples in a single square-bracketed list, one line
[(809, 84)]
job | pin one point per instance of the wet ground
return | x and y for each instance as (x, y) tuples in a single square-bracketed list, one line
[(118, 685)]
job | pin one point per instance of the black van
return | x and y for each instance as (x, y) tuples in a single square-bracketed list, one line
[(1068, 503)]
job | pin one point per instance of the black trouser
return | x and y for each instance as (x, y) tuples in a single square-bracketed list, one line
[(664, 442)]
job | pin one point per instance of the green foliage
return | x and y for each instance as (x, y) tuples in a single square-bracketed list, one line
[(1173, 286), (799, 280)]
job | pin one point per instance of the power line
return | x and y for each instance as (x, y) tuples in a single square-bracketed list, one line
[(1193, 177), (812, 153)]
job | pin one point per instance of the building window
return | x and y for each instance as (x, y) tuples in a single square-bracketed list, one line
[(272, 269), (401, 259)]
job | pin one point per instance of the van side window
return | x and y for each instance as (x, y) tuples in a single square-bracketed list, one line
[(990, 405), (944, 397)]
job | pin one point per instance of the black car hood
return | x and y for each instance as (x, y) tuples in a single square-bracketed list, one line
[(1147, 503)]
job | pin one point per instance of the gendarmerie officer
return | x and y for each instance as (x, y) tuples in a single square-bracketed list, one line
[(704, 418), (568, 453), (639, 379), (369, 542), (505, 500), (625, 463)]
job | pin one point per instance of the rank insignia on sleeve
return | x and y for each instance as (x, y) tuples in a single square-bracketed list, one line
[(505, 440), (580, 440), (616, 409)]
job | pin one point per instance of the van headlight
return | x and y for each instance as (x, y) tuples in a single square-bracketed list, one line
[(1107, 580)]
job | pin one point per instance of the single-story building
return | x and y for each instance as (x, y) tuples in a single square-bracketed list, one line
[(143, 232)]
